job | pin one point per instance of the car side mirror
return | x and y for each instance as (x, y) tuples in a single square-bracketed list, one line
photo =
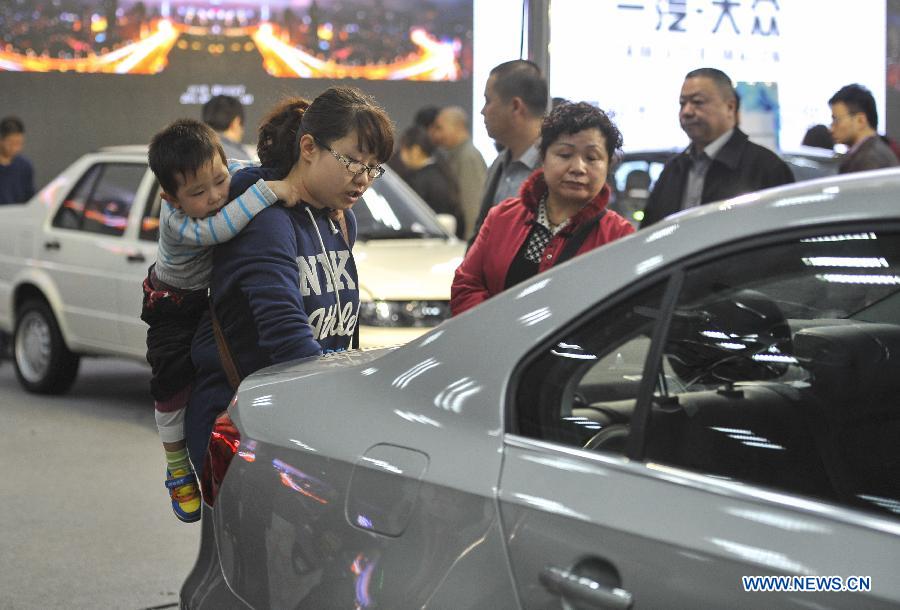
[(448, 222)]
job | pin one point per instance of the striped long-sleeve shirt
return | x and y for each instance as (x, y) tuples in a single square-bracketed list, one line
[(184, 259)]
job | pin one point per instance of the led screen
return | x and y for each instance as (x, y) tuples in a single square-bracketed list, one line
[(383, 40), (787, 56)]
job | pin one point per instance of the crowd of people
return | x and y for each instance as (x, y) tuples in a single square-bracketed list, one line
[(255, 264)]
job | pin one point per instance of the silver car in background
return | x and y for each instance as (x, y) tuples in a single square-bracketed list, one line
[(705, 414)]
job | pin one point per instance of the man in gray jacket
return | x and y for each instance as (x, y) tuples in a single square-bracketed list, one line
[(450, 131), (853, 122)]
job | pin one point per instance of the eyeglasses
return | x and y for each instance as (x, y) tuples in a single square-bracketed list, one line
[(353, 166)]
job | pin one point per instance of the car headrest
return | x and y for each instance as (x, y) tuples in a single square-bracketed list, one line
[(717, 340), (855, 365)]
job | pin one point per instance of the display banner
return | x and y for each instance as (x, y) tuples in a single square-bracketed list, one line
[(630, 57)]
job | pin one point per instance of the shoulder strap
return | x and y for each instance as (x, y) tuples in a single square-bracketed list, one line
[(577, 238), (229, 364)]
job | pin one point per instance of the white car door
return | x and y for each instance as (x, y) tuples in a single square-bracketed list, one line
[(87, 252), (143, 233), (738, 452)]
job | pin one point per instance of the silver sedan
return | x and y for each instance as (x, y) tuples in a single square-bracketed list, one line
[(703, 414)]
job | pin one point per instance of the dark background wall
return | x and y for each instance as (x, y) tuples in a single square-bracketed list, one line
[(67, 115)]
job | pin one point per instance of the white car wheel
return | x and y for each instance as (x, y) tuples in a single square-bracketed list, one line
[(44, 364)]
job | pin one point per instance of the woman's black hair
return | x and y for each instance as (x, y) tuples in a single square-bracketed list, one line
[(331, 116), (568, 117), (417, 136)]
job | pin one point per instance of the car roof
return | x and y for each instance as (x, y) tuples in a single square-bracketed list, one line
[(126, 148)]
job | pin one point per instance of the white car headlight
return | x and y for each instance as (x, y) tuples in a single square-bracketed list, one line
[(411, 314)]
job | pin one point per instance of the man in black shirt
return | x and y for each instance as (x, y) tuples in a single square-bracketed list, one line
[(721, 161)]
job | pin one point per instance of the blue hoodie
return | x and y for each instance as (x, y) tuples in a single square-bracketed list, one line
[(273, 289)]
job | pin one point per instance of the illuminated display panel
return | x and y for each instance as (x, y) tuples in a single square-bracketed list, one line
[(357, 39), (797, 53)]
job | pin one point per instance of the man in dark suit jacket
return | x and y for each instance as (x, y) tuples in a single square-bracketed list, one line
[(853, 122), (721, 161)]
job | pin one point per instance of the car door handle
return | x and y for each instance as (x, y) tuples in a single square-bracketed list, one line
[(136, 258), (51, 245), (572, 586)]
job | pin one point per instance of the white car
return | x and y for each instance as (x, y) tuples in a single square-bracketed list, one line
[(73, 258)]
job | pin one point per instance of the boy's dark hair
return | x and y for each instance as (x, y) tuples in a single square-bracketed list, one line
[(417, 136), (571, 118), (857, 99), (221, 110), (180, 149), (10, 125), (521, 78), (331, 116)]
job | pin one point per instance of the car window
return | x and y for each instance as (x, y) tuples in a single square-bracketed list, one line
[(582, 389), (71, 212), (632, 181), (150, 218), (107, 209), (102, 199), (782, 369), (391, 210)]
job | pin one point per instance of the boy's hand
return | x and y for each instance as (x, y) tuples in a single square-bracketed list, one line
[(286, 192), (290, 190)]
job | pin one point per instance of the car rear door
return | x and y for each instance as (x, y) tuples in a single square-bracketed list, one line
[(724, 424), (88, 252), (142, 237)]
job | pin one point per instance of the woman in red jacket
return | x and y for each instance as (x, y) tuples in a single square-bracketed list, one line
[(560, 211)]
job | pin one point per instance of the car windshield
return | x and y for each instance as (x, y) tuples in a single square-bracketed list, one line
[(391, 210)]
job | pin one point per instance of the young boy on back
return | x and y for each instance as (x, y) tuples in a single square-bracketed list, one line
[(188, 161)]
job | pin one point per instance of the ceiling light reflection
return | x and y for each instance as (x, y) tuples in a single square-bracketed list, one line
[(842, 237), (418, 418), (550, 506), (649, 264), (535, 317), (841, 278), (780, 521), (773, 559), (382, 464), (661, 233), (845, 261), (262, 401), (454, 395), (539, 285), (405, 378)]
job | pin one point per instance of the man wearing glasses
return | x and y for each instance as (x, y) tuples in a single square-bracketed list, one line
[(853, 122)]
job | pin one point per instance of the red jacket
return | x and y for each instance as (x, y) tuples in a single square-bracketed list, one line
[(482, 273)]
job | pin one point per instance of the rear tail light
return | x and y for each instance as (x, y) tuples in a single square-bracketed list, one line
[(223, 445)]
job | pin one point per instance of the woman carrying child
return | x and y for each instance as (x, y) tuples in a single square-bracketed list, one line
[(286, 287)]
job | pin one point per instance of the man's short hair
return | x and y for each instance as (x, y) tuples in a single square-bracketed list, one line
[(521, 78), (722, 81), (221, 110), (857, 99), (180, 149), (11, 125)]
